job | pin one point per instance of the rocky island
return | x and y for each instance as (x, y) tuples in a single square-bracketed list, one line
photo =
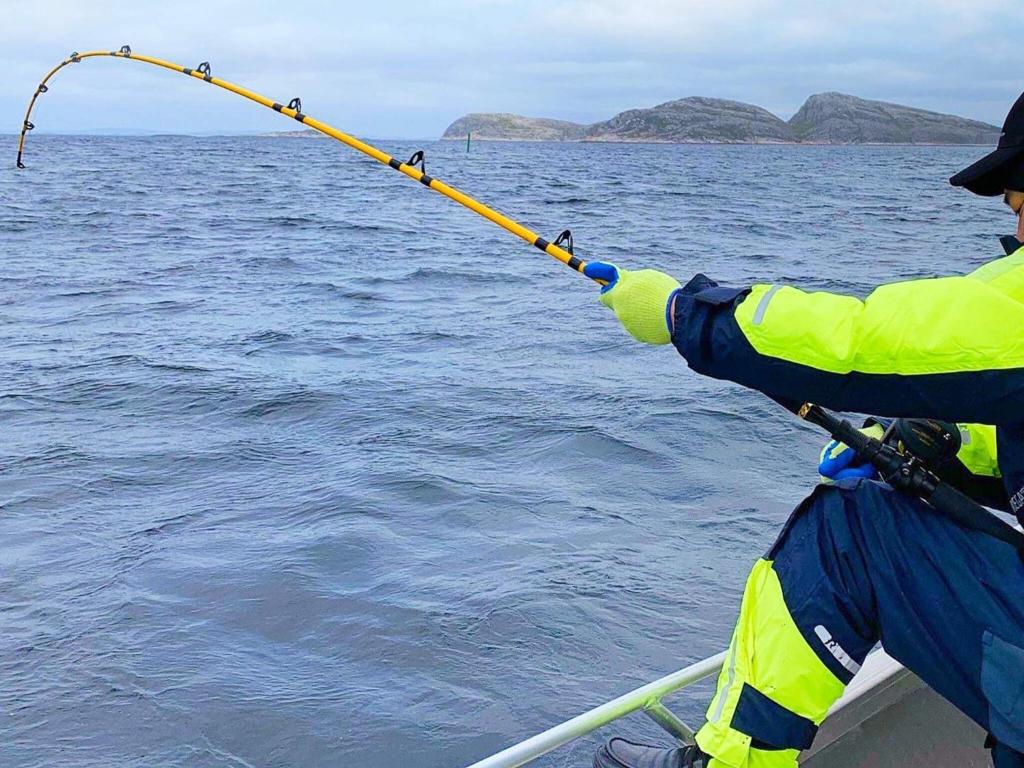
[(825, 118), (695, 119), (501, 126), (836, 118)]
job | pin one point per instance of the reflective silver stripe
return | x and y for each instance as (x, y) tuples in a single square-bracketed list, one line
[(762, 305), (837, 650), (965, 435), (724, 693)]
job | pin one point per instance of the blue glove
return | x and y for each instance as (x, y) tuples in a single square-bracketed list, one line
[(602, 270), (839, 461)]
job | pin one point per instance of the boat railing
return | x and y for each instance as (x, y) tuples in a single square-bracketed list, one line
[(646, 698), (880, 681)]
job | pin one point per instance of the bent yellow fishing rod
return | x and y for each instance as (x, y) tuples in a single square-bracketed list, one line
[(900, 472), (561, 248)]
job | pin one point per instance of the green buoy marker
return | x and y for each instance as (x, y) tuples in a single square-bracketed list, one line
[(469, 135)]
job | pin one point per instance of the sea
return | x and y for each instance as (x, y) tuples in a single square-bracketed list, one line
[(302, 464)]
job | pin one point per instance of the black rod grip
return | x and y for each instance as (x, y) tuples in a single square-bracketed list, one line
[(968, 513)]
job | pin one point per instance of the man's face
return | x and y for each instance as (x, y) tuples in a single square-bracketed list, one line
[(1015, 200)]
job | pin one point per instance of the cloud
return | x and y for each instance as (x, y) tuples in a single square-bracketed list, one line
[(398, 67)]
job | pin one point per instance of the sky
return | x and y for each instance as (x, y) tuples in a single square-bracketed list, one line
[(407, 68)]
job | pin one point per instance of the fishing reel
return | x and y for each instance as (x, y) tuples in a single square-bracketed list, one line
[(909, 454), (931, 442)]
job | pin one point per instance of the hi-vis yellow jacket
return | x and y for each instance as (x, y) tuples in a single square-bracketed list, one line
[(949, 348)]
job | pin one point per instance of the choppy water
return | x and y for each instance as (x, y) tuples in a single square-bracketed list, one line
[(303, 465)]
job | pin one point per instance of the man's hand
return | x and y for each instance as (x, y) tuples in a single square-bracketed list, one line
[(639, 299), (839, 462)]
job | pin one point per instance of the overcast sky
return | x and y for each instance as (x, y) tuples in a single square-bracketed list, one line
[(406, 68)]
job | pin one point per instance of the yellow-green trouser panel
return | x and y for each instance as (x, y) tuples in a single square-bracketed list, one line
[(769, 666), (948, 348), (857, 562)]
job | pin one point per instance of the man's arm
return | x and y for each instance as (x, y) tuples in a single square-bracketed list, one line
[(947, 348), (975, 471)]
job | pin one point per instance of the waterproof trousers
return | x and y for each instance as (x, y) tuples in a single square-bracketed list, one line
[(856, 564)]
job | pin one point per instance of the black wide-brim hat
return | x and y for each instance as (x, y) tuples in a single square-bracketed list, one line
[(990, 175)]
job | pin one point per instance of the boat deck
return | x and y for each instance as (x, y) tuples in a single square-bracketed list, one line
[(888, 718)]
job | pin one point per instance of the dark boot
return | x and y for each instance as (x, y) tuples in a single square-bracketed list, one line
[(619, 753)]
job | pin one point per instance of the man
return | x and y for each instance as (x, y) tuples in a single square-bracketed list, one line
[(859, 562)]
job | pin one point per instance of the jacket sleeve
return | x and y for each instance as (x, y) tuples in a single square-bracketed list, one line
[(946, 348), (975, 471)]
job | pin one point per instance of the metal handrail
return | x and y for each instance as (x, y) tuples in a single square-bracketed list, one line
[(647, 698)]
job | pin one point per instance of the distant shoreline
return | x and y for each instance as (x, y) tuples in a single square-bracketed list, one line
[(661, 142), (311, 134)]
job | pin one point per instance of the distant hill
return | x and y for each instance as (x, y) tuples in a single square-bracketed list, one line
[(500, 126), (825, 118), (837, 118), (305, 133), (696, 119)]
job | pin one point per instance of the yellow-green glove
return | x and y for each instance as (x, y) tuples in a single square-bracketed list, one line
[(639, 299)]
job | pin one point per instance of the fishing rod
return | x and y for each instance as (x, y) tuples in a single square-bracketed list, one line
[(903, 471), (561, 248)]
